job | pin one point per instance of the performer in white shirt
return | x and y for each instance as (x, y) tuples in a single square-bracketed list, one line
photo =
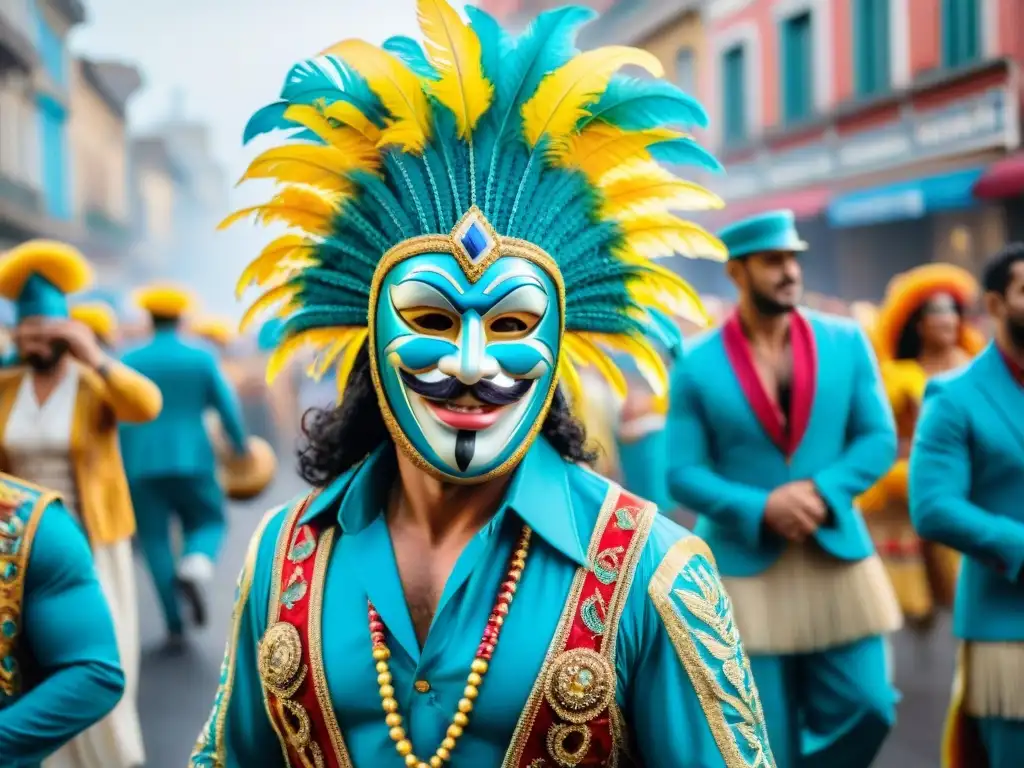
[(60, 405)]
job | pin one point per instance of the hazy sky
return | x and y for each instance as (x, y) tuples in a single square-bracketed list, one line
[(228, 57)]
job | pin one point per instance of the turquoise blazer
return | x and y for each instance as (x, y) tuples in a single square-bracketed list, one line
[(683, 682), (967, 491), (69, 662), (723, 463), (176, 443)]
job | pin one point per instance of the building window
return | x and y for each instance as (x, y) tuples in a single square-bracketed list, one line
[(961, 32), (686, 71), (797, 68), (734, 96), (871, 39), (54, 151), (52, 51)]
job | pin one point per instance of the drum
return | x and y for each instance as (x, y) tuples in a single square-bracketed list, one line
[(246, 477)]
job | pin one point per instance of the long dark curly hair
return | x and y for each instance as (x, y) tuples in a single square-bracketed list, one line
[(336, 439)]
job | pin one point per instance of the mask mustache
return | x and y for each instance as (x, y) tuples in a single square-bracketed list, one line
[(450, 388)]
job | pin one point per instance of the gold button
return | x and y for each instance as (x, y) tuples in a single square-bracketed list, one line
[(421, 685)]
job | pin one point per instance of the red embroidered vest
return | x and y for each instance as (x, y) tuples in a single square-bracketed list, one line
[(570, 718)]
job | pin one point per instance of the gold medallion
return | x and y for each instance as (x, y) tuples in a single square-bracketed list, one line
[(580, 685), (280, 660), (568, 744)]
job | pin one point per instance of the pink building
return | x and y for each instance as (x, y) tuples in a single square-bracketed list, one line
[(891, 127)]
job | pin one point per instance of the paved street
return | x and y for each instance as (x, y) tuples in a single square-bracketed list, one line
[(176, 692)]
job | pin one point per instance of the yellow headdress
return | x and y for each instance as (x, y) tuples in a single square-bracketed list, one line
[(99, 317), (38, 276), (911, 290), (165, 300)]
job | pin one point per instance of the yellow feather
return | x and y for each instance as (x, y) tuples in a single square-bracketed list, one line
[(398, 89), (349, 114), (294, 206), (562, 97), (570, 379), (282, 294), (286, 350), (454, 50), (648, 363), (316, 166), (670, 299), (284, 251), (637, 195), (597, 357), (348, 360), (601, 149), (657, 235), (340, 136)]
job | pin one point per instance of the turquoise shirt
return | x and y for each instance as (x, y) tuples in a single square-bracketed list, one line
[(966, 485), (67, 648), (683, 682), (176, 443)]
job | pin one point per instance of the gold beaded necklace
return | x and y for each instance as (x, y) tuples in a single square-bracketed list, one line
[(479, 667)]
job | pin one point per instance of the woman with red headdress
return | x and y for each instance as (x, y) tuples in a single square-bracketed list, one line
[(920, 331)]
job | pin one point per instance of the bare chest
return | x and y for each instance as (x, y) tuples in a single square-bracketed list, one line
[(775, 371), (423, 571)]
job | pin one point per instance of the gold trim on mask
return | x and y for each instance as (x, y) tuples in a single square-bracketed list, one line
[(451, 245)]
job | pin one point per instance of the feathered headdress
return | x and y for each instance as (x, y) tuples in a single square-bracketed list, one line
[(550, 146), (909, 291)]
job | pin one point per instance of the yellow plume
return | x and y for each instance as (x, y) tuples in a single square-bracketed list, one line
[(562, 97), (647, 360), (282, 294), (284, 253), (398, 89), (601, 149), (657, 235), (349, 114), (570, 379), (340, 136), (454, 50), (671, 295), (295, 206), (318, 339), (640, 194), (348, 360), (585, 350), (316, 166)]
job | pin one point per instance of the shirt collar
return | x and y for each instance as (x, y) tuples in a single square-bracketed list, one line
[(538, 493)]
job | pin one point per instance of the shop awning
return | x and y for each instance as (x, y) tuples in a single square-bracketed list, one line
[(905, 200), (804, 203), (1004, 178)]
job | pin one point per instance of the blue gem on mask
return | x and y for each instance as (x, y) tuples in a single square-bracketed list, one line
[(476, 241)]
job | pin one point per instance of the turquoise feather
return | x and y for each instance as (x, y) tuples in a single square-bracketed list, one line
[(495, 42), (267, 119), (633, 104), (684, 152), (411, 52)]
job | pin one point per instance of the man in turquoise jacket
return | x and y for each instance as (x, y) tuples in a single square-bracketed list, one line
[(170, 463), (59, 667), (966, 486), (778, 422), (458, 589)]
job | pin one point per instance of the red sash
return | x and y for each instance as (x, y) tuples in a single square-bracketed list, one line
[(290, 661), (576, 722)]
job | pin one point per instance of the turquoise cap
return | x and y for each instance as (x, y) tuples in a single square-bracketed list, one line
[(772, 231), (41, 298)]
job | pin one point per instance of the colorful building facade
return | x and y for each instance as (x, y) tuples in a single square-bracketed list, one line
[(891, 127)]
